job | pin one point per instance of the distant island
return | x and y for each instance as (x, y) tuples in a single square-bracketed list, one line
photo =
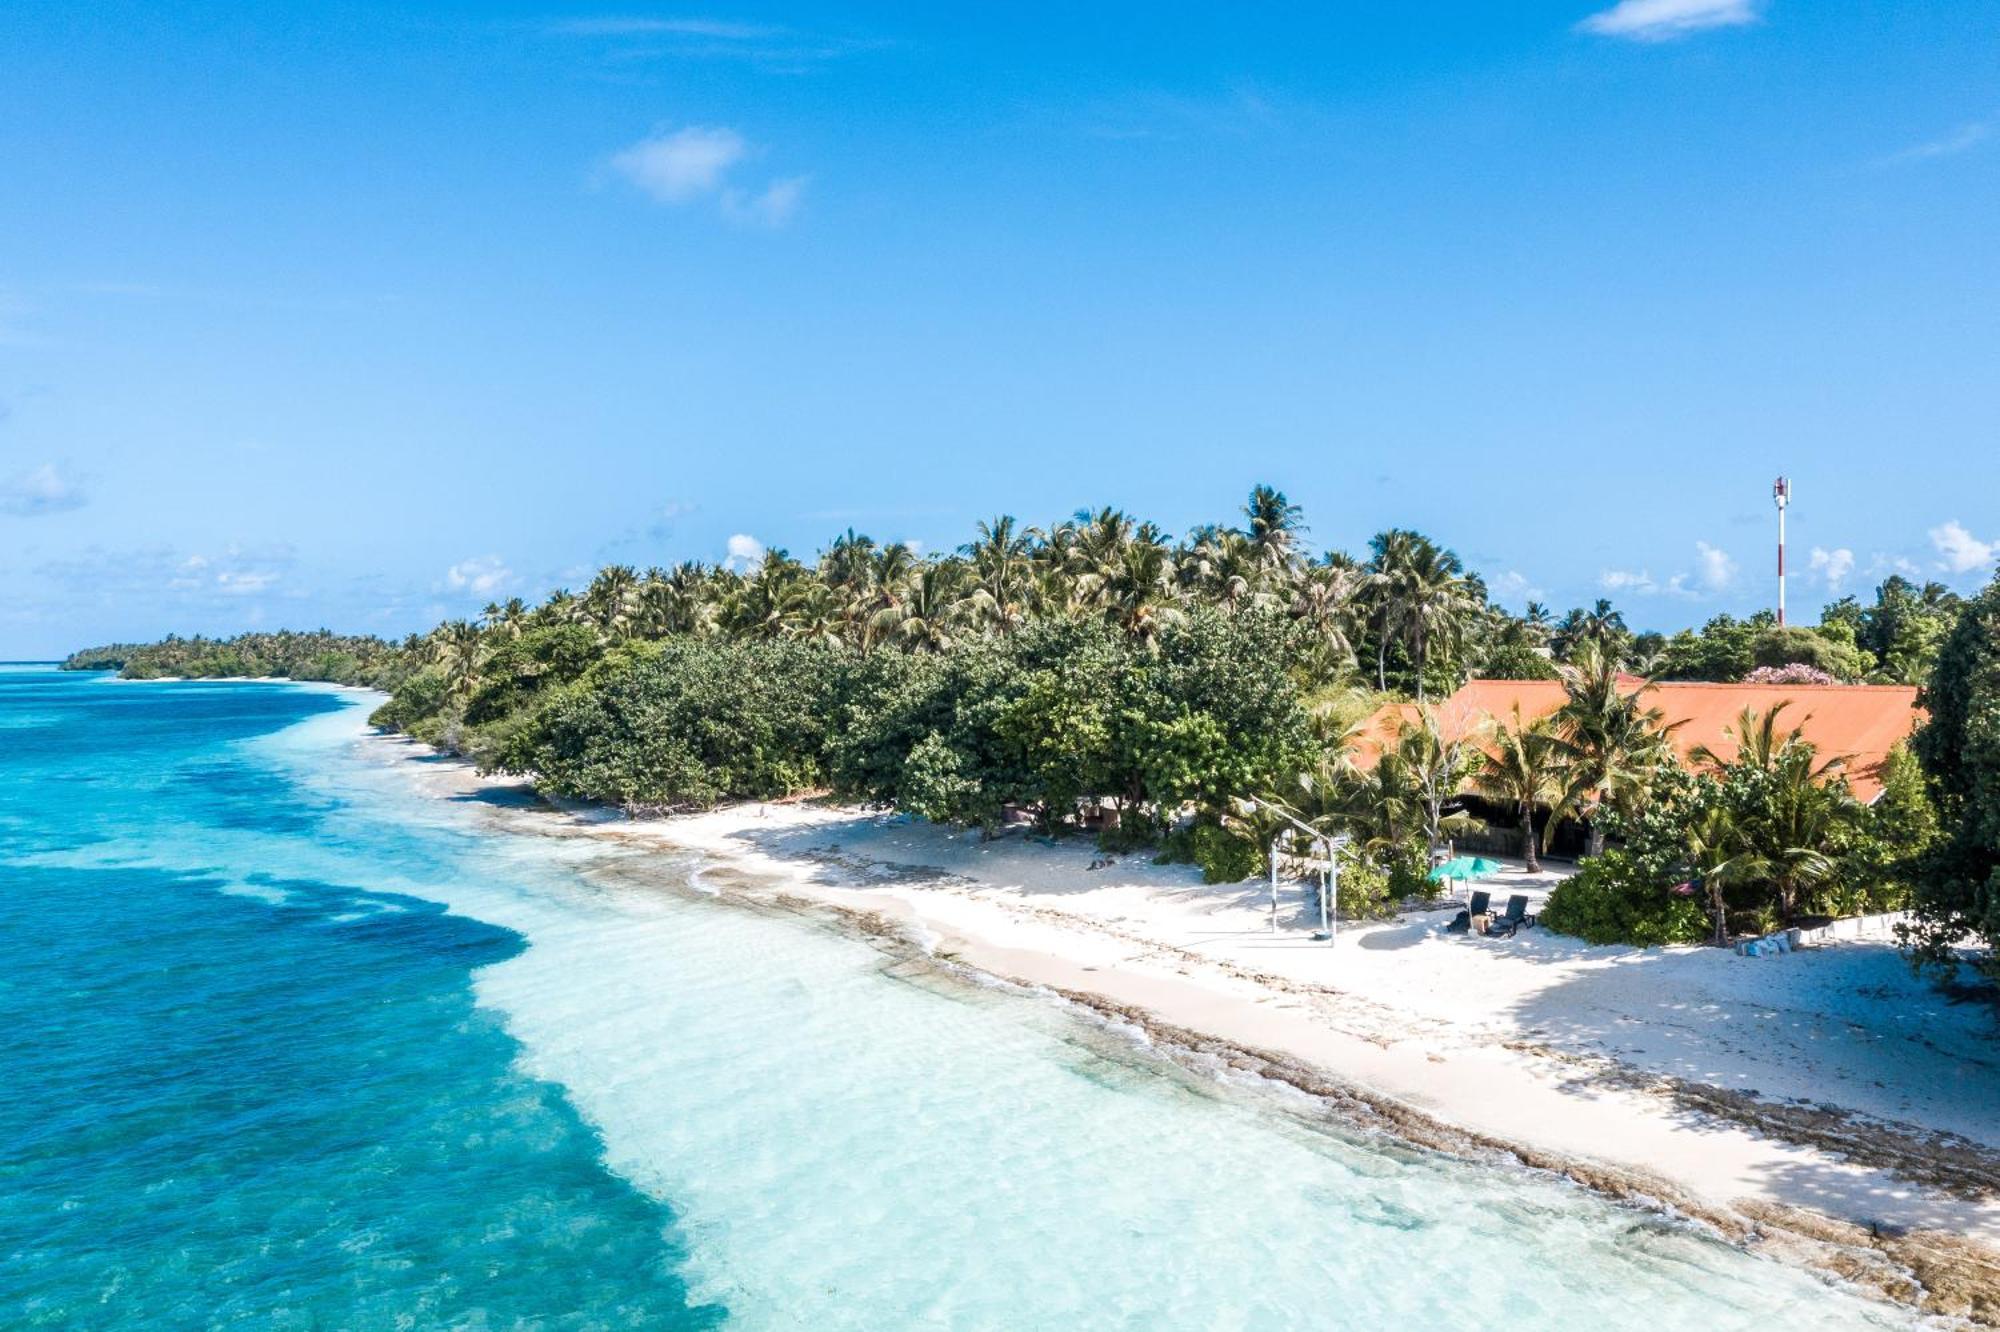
[(356, 659)]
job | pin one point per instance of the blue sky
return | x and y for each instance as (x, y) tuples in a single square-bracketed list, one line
[(364, 314)]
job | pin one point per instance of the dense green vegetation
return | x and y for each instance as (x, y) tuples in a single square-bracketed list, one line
[(1958, 892), (320, 655), (1097, 675), (1769, 836), (1893, 640)]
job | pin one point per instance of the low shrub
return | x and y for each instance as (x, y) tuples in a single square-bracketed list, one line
[(1224, 856), (1366, 889), (1612, 901)]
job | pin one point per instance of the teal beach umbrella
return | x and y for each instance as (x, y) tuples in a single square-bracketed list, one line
[(1466, 868)]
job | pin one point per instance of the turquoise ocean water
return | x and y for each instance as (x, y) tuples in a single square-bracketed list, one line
[(285, 1044)]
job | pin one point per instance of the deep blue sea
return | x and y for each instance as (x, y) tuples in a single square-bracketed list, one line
[(285, 1043)]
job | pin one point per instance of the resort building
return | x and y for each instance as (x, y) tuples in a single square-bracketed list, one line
[(1861, 723)]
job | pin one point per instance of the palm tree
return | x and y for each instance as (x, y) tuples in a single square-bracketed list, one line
[(1001, 566), (811, 610), (848, 563), (1324, 600), (611, 599), (1600, 627), (1422, 597), (1523, 771), (1274, 526), (1138, 592), (1761, 745), (1609, 744), (1433, 764), (927, 614), (458, 647), (1225, 567), (1786, 837)]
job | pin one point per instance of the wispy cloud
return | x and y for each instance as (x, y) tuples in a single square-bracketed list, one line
[(236, 572), (1963, 139), (1154, 113), (745, 552), (480, 576), (1717, 569), (1513, 585), (718, 29), (683, 164), (771, 206), (774, 47), (1832, 566), (163, 576), (1714, 570), (1636, 582), (1665, 20), (41, 490), (696, 163), (1961, 552)]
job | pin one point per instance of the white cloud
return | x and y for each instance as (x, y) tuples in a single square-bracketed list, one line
[(1637, 581), (719, 29), (481, 576), (698, 163), (1833, 566), (1962, 139), (773, 207), (1664, 20), (1717, 569), (685, 164), (774, 47), (40, 490), (164, 576), (1513, 585), (244, 582), (1961, 552), (745, 552)]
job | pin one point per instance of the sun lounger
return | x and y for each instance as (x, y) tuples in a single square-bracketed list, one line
[(1480, 901), (1513, 919)]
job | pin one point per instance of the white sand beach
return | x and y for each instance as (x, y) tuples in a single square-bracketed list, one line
[(1825, 1105)]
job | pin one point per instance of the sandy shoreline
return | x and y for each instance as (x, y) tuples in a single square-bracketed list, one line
[(1822, 1107)]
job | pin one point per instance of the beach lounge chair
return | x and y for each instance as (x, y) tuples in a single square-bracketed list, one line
[(1512, 919), (1480, 902)]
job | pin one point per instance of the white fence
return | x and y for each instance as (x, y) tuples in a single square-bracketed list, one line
[(1880, 926)]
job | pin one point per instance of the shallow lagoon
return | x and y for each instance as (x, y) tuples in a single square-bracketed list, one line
[(290, 1045)]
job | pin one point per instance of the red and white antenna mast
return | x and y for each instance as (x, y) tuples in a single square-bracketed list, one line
[(1781, 495)]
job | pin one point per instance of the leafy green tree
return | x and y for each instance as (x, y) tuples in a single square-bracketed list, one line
[(1786, 645), (1907, 626), (680, 723), (1958, 884)]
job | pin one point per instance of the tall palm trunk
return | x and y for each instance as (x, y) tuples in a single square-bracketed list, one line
[(1382, 660), (1417, 654), (1594, 844), (1528, 838)]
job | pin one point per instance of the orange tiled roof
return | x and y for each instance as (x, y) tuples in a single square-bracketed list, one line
[(1862, 722)]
